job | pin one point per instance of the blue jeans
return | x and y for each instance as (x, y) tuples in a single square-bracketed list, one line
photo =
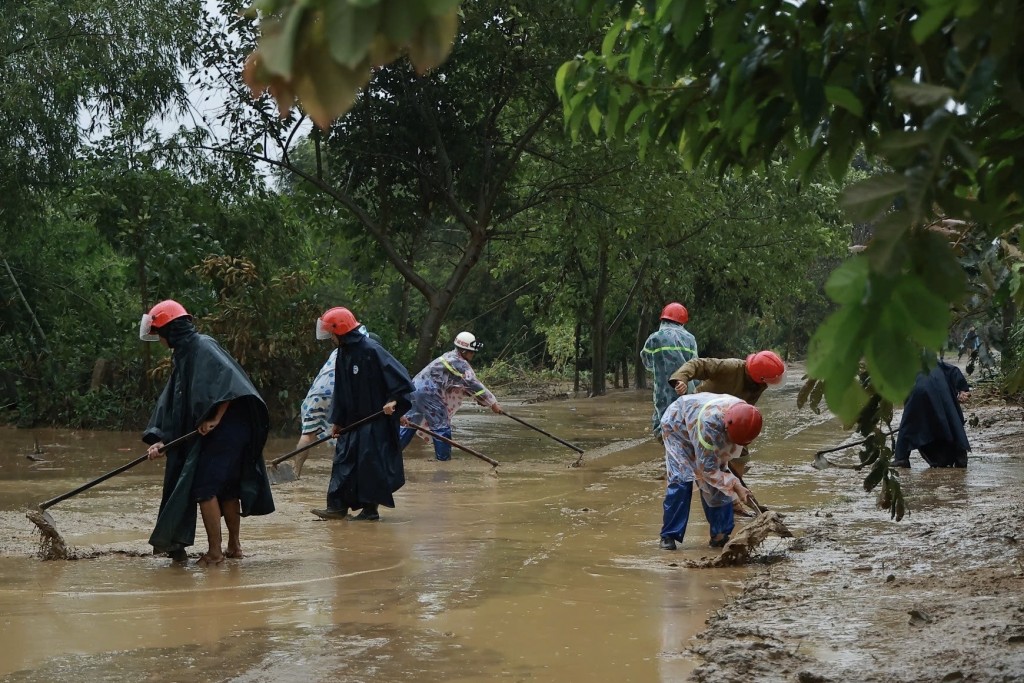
[(442, 451), (677, 513)]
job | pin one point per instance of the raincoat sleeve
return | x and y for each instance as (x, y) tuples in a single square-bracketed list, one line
[(647, 353), (695, 369), (160, 427), (398, 385), (470, 384)]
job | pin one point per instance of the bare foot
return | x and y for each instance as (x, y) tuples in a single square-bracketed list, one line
[(209, 560), (234, 553)]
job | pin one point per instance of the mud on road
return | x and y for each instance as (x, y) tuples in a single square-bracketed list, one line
[(936, 597)]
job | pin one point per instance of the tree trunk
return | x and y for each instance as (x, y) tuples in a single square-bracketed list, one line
[(576, 361), (1008, 360), (598, 332), (639, 371), (624, 364)]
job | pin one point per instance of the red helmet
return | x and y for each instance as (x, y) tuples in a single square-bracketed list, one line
[(765, 367), (338, 321), (158, 316), (166, 311), (742, 423), (675, 312)]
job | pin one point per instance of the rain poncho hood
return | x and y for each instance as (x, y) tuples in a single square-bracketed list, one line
[(368, 466), (668, 348), (203, 375)]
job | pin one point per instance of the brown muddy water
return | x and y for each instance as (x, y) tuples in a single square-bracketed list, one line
[(540, 573)]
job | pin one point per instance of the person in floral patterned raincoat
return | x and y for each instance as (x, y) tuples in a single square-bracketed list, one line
[(440, 389), (701, 433)]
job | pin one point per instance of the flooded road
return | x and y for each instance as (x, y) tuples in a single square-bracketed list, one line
[(538, 572)]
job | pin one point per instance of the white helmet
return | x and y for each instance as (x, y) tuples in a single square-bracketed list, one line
[(466, 340)]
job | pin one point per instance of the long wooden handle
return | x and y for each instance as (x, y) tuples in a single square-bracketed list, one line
[(547, 434), (458, 445), (851, 445), (357, 423), (113, 473)]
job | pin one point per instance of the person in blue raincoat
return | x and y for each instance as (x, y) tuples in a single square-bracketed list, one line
[(701, 432), (664, 352), (222, 470), (440, 389), (367, 467)]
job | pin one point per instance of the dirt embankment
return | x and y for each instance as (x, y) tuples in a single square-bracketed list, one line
[(936, 597)]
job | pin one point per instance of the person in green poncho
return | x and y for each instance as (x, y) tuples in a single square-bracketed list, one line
[(223, 469)]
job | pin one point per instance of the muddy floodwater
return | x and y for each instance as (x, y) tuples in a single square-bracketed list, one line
[(536, 571), (533, 572)]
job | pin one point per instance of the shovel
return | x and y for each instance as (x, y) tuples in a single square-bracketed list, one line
[(53, 545), (282, 473), (579, 460)]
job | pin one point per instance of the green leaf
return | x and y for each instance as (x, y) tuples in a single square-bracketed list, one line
[(847, 283), (841, 97), (866, 199), (566, 71), (925, 314), (611, 37), (594, 118), (845, 396), (892, 358), (921, 94), (638, 111), (350, 31), (930, 20), (835, 345), (277, 46)]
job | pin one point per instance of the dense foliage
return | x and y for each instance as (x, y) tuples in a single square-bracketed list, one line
[(441, 202)]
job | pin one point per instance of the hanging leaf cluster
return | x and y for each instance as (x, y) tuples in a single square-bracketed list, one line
[(321, 53)]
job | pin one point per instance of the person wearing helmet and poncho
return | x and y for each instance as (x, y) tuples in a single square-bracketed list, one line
[(745, 379), (222, 470), (701, 432), (367, 467), (440, 388), (668, 347), (315, 410)]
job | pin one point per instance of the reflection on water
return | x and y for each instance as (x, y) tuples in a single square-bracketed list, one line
[(542, 572)]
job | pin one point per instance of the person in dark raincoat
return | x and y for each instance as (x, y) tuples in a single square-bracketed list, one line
[(368, 466), (933, 422), (222, 469)]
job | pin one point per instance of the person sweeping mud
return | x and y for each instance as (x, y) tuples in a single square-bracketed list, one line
[(664, 352), (367, 467), (701, 432), (932, 421), (223, 471), (440, 389)]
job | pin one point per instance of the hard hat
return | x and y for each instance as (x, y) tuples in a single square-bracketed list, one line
[(337, 321), (466, 340), (765, 367), (742, 423), (158, 316), (675, 312)]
